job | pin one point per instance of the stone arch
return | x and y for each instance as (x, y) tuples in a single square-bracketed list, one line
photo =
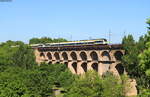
[(94, 56), (64, 56), (118, 55), (57, 62), (84, 66), (73, 56), (95, 66), (74, 65), (49, 55), (83, 56), (106, 56), (50, 62), (42, 54), (56, 55), (120, 68)]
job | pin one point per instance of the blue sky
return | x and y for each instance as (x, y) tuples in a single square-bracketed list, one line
[(73, 19)]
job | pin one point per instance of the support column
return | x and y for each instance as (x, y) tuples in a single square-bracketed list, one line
[(71, 68), (114, 70), (37, 56), (53, 62), (79, 68), (89, 67), (100, 69)]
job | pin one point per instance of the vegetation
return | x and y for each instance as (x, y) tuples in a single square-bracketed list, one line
[(137, 61), (20, 76), (46, 40), (92, 85)]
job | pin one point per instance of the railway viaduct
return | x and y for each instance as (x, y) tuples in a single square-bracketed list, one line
[(80, 59)]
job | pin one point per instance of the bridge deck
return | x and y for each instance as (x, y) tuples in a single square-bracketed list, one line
[(81, 47)]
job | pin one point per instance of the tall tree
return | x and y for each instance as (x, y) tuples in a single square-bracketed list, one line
[(7, 50), (145, 58), (130, 59), (24, 57)]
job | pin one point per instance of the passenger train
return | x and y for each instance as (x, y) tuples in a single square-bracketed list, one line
[(73, 43)]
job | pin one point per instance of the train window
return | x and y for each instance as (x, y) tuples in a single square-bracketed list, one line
[(98, 41)]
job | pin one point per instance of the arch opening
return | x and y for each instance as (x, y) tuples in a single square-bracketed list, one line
[(120, 68), (49, 56), (84, 66), (56, 55), (118, 55), (94, 56), (49, 62), (65, 56), (74, 65), (95, 66), (83, 56), (106, 56), (42, 55), (74, 56), (57, 62)]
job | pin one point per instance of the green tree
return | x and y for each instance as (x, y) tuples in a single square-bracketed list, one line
[(66, 78), (145, 61), (46, 40), (24, 57), (6, 52), (19, 82), (136, 60), (92, 85), (130, 59), (89, 85)]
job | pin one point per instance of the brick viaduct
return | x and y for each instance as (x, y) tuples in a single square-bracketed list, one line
[(80, 59)]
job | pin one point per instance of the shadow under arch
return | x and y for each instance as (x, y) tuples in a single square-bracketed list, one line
[(120, 68), (57, 63), (95, 66), (73, 56), (65, 56), (83, 56), (84, 66), (50, 62), (118, 55), (94, 56), (56, 55), (74, 65), (42, 54), (49, 56), (105, 55)]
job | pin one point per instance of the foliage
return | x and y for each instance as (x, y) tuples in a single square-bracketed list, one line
[(38, 81), (18, 82), (130, 59), (7, 51), (112, 86), (144, 93), (24, 57), (137, 60), (66, 78), (89, 85), (46, 40), (92, 85)]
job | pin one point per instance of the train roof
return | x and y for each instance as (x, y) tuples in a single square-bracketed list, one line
[(91, 40)]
